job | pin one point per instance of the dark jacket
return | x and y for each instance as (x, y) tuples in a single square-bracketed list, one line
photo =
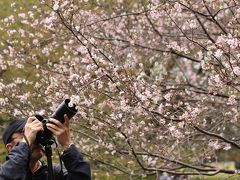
[(15, 168)]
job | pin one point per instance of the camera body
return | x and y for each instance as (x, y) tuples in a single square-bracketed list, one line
[(46, 138)]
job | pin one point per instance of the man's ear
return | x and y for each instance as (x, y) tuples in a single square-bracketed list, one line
[(9, 147)]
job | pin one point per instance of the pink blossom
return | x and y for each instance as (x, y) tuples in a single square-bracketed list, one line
[(35, 42), (227, 147), (236, 70), (218, 53), (168, 96), (214, 144), (22, 15), (233, 42), (55, 7), (232, 100)]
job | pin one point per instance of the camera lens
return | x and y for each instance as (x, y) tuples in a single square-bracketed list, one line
[(64, 108)]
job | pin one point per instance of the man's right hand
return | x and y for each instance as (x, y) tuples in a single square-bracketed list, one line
[(31, 128)]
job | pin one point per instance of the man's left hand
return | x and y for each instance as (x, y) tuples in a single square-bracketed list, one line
[(61, 131)]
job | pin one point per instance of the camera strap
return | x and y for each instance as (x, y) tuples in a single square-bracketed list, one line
[(29, 150), (59, 156)]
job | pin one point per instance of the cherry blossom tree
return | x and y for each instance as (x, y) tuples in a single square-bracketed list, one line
[(156, 82)]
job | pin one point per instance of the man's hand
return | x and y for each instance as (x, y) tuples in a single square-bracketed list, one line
[(61, 131), (31, 128)]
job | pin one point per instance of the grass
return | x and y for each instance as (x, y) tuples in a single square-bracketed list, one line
[(217, 177), (225, 165)]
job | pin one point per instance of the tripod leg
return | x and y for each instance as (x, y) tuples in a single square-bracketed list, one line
[(48, 152)]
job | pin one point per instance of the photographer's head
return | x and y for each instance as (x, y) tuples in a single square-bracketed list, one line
[(14, 133)]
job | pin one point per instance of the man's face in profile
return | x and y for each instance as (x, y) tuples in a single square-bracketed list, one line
[(36, 149)]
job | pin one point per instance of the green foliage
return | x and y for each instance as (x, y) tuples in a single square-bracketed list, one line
[(6, 8), (2, 153)]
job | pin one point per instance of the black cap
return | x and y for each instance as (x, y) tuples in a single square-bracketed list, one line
[(16, 125)]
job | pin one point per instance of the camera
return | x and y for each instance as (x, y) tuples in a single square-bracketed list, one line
[(46, 138)]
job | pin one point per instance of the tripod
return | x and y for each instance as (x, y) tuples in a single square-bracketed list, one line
[(48, 153)]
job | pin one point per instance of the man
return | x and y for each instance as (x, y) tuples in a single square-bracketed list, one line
[(24, 154)]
